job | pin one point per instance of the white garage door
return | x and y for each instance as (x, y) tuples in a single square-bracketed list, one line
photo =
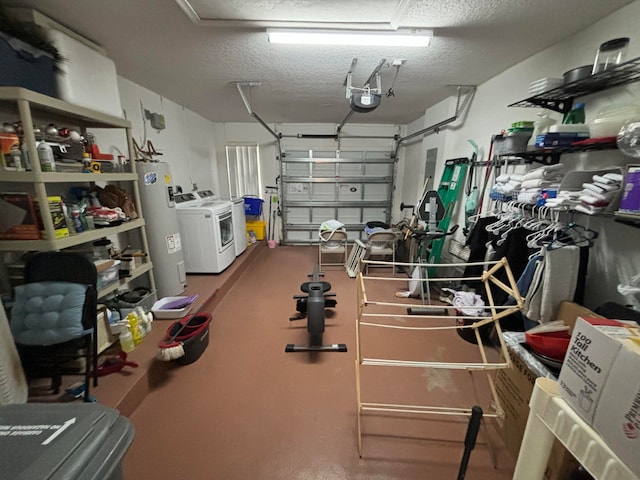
[(354, 187)]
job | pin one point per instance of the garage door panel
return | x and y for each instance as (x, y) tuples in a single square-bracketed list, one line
[(350, 192), (322, 214), (378, 191), (353, 187), (296, 216), (323, 192)]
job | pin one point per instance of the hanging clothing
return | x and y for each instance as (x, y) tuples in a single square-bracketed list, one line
[(554, 281)]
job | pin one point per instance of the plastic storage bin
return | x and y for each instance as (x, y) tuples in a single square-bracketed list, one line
[(512, 142), (253, 206), (110, 275), (126, 302), (259, 227), (25, 66), (80, 441), (160, 312)]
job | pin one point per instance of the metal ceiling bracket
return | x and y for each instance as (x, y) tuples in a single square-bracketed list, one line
[(240, 86), (465, 94)]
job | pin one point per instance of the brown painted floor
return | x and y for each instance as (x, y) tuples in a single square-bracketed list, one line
[(248, 410)]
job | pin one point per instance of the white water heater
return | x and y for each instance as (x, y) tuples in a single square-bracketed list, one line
[(163, 231)]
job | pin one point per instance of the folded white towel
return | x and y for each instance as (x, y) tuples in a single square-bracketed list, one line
[(593, 187), (608, 178), (545, 172), (588, 209), (536, 183), (612, 187), (593, 201)]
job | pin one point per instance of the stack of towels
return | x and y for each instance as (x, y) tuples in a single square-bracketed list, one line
[(507, 184), (600, 193), (539, 179)]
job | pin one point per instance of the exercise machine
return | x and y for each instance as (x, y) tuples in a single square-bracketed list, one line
[(311, 304), (431, 211)]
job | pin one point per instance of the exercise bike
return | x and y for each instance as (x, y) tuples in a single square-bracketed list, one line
[(431, 211), (311, 305)]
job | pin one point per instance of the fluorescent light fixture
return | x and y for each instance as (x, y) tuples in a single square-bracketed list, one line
[(381, 38)]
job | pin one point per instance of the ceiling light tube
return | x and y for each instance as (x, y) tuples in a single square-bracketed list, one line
[(409, 38)]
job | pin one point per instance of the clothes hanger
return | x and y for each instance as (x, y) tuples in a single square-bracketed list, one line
[(573, 234)]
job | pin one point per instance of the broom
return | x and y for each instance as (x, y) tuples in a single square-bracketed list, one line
[(171, 349)]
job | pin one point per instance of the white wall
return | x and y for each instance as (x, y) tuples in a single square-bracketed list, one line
[(615, 256), (187, 143)]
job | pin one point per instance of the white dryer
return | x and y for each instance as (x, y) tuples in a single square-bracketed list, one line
[(206, 229), (239, 224)]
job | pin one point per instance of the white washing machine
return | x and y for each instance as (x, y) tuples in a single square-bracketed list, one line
[(206, 229), (239, 224)]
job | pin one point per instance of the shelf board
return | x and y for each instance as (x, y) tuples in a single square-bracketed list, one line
[(137, 272), (41, 102), (65, 177), (70, 241), (550, 156), (560, 99)]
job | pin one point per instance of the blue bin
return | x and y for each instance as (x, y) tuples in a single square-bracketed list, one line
[(253, 206), (27, 67)]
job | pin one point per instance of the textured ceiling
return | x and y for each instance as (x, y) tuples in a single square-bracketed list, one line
[(191, 51)]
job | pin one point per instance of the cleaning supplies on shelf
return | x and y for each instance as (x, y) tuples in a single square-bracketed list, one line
[(575, 115), (126, 339), (45, 156), (541, 126), (132, 319)]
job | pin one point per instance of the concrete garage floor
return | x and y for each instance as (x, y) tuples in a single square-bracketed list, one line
[(248, 410)]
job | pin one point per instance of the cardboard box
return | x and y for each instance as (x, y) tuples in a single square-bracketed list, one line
[(599, 380), (592, 352), (514, 387), (18, 219), (617, 417)]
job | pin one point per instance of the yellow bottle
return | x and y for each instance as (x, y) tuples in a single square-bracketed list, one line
[(132, 319)]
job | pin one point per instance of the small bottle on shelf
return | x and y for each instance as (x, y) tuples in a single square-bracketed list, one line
[(45, 155), (126, 340), (132, 319)]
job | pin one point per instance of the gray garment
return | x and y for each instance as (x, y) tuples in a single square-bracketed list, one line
[(554, 281)]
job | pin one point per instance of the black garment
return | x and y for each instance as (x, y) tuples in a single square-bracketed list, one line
[(477, 243)]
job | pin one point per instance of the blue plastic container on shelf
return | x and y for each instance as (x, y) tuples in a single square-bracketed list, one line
[(253, 206)]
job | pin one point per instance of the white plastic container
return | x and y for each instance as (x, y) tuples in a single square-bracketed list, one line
[(610, 119), (161, 313)]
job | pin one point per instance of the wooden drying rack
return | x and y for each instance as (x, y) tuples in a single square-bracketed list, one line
[(367, 319)]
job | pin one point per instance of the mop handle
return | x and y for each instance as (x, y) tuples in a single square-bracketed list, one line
[(470, 439)]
